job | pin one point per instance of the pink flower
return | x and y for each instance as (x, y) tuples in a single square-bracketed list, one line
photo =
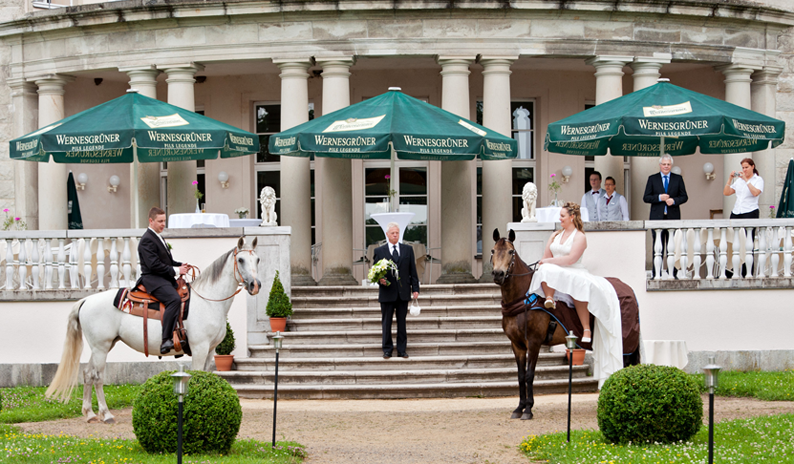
[(387, 176), (551, 175), (195, 182), (772, 207), (17, 219), (6, 210)]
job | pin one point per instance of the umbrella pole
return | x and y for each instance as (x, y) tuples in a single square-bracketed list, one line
[(135, 194), (392, 180), (661, 147)]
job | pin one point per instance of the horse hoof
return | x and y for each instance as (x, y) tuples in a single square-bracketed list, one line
[(516, 415), (93, 420), (527, 416), (110, 421)]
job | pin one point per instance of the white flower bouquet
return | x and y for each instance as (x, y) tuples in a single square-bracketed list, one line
[(379, 270), (241, 212)]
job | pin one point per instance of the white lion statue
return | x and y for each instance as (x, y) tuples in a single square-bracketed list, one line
[(529, 195), (267, 200)]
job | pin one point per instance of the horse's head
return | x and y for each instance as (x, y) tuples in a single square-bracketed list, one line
[(503, 256), (246, 262)]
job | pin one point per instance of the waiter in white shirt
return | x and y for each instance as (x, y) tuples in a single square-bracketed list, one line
[(591, 198), (612, 206)]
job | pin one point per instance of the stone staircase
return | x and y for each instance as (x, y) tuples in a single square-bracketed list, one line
[(456, 347)]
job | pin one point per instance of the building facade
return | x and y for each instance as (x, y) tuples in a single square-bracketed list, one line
[(267, 66)]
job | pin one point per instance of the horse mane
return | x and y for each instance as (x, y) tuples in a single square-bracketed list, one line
[(214, 270)]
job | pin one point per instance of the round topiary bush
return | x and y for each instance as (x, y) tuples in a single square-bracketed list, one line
[(649, 403), (212, 414)]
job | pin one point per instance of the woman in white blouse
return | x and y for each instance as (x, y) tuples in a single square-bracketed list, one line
[(747, 187)]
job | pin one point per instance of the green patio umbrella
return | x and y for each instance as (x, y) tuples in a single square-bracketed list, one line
[(134, 127), (664, 118), (785, 208), (415, 130)]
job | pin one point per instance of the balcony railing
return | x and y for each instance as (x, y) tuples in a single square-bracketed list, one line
[(68, 260), (717, 249)]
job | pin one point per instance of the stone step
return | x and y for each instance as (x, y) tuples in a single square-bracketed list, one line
[(374, 311), (371, 300), (360, 291), (415, 323), (374, 349), (368, 336), (390, 376), (395, 363), (410, 390)]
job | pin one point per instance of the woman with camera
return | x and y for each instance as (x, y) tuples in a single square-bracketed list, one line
[(747, 185)]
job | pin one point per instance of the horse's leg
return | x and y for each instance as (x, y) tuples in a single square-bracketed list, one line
[(88, 384), (200, 359), (521, 361), (532, 353), (94, 374)]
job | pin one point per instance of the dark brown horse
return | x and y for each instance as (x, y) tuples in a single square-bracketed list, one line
[(528, 329)]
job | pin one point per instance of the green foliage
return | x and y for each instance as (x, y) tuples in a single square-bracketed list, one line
[(649, 404), (745, 441), (28, 404), (278, 304), (227, 345), (766, 386), (212, 415)]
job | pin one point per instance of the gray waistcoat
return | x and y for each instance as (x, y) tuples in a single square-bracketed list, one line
[(610, 212), (592, 205)]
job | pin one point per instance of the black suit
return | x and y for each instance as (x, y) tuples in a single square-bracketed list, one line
[(677, 191), (397, 295), (157, 275)]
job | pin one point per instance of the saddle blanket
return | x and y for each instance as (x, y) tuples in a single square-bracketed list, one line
[(121, 302)]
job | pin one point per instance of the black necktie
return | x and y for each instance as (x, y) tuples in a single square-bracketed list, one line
[(395, 253)]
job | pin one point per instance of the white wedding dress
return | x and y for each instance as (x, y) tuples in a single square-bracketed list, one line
[(575, 281)]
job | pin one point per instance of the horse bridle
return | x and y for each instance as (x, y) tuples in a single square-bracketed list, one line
[(240, 281), (532, 267)]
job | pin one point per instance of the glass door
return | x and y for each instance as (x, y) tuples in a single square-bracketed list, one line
[(410, 196)]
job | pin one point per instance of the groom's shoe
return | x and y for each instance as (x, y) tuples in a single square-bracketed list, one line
[(166, 346)]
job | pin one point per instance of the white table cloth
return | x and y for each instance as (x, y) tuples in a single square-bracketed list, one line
[(552, 214), (188, 220), (244, 222), (666, 353)]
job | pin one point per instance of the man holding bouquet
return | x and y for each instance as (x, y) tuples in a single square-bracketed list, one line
[(396, 289)]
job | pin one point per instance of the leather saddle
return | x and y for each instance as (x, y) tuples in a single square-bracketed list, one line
[(139, 302)]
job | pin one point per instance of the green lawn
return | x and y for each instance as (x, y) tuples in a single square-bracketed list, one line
[(27, 404), (745, 441), (767, 386)]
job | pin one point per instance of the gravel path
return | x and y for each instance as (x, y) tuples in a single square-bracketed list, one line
[(462, 430)]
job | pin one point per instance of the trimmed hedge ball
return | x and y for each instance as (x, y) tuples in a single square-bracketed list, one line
[(211, 418), (649, 403)]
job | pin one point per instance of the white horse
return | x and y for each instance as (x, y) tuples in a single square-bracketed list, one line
[(103, 325)]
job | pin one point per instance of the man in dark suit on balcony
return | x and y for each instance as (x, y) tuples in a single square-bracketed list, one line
[(158, 272), (666, 193), (393, 293)]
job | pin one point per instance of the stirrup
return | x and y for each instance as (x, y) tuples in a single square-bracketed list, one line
[(549, 303), (587, 339)]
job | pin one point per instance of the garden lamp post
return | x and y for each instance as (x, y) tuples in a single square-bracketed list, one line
[(712, 371), (181, 380), (277, 339), (570, 343)]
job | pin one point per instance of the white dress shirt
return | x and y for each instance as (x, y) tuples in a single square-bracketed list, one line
[(745, 200)]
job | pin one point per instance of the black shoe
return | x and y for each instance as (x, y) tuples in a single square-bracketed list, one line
[(166, 347), (403, 355), (386, 355), (186, 348)]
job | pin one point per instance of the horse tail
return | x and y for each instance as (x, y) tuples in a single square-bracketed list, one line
[(65, 379)]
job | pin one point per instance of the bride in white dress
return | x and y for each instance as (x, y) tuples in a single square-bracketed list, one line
[(561, 276)]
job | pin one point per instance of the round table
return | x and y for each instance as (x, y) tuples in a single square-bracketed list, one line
[(245, 222), (188, 220)]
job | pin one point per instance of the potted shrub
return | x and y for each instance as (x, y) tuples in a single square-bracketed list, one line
[(224, 356), (278, 306), (578, 356)]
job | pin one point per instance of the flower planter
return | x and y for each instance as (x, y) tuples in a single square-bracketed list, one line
[(278, 324), (578, 356), (223, 362)]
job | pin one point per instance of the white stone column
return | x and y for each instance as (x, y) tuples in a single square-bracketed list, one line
[(144, 177), (337, 182), (737, 91), (25, 111), (295, 172), (609, 85), (456, 186), (181, 174), (764, 94), (52, 176), (497, 204), (646, 74)]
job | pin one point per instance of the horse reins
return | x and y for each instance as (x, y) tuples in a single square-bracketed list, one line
[(512, 262), (237, 272)]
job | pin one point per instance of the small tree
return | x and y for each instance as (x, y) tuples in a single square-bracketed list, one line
[(278, 304), (227, 345)]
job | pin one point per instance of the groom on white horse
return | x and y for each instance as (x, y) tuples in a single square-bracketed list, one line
[(158, 270)]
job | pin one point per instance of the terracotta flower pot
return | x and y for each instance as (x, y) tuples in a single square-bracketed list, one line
[(223, 362), (578, 356), (278, 324)]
